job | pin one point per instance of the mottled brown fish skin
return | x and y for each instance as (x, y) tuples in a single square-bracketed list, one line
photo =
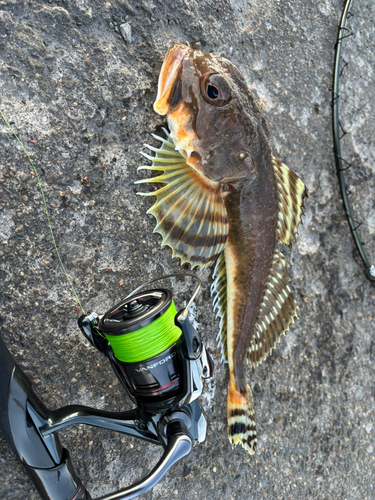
[(218, 127), (229, 142), (252, 238)]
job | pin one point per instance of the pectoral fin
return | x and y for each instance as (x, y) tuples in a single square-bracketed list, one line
[(189, 209)]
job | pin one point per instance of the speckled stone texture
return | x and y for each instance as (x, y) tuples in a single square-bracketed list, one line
[(79, 92)]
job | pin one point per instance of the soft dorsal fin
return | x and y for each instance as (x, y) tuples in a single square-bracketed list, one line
[(276, 312), (219, 292), (189, 209), (291, 191), (278, 308)]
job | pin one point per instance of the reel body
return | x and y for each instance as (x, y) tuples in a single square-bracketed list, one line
[(171, 379)]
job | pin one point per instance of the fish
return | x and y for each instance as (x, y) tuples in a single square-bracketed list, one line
[(225, 199)]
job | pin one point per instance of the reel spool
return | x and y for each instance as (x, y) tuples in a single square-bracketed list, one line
[(144, 338)]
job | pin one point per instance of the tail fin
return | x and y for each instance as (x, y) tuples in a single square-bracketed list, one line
[(241, 423)]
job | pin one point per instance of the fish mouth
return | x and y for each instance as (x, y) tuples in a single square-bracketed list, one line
[(233, 179), (168, 74), (194, 160)]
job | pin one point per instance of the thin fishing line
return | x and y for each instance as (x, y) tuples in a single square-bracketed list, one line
[(46, 212)]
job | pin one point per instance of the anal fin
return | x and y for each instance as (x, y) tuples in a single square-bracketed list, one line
[(219, 292)]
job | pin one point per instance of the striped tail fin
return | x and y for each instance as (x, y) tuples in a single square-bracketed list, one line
[(240, 415)]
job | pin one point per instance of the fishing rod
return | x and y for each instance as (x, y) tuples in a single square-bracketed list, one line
[(353, 125), (160, 360)]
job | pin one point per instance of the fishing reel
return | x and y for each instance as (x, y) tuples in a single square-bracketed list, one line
[(157, 356), (160, 360)]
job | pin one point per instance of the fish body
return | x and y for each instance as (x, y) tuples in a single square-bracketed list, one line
[(227, 199)]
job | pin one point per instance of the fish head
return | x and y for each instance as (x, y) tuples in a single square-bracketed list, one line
[(213, 117)]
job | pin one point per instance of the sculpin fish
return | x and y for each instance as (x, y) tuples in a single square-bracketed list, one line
[(225, 198)]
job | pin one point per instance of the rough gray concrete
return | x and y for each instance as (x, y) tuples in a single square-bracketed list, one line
[(80, 97)]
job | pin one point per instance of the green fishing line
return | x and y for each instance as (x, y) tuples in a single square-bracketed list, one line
[(46, 211), (148, 341)]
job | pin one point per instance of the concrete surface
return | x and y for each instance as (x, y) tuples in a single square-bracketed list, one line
[(80, 97)]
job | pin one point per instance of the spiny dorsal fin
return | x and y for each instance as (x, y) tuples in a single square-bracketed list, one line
[(219, 291), (189, 209), (291, 191), (277, 311)]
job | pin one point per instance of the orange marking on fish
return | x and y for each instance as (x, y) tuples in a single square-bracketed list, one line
[(172, 61), (234, 397)]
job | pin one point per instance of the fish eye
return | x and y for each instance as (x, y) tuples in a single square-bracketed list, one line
[(212, 92), (215, 90)]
